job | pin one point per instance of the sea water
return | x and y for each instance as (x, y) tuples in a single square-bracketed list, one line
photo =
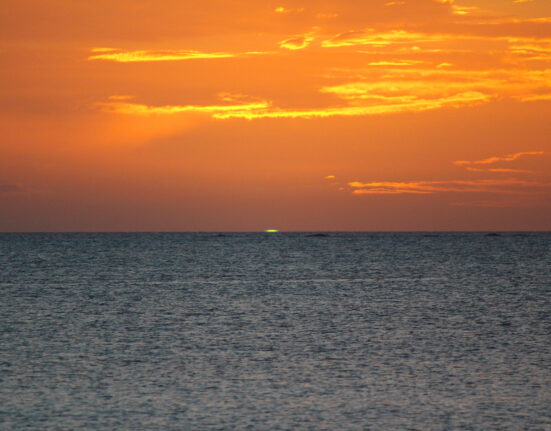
[(366, 331)]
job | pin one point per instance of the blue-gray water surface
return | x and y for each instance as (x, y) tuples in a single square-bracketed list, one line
[(386, 331)]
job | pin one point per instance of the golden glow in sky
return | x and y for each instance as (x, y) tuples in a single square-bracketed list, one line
[(182, 116)]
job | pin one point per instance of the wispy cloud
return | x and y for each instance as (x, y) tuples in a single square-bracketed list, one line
[(498, 36), (141, 56), (378, 38), (297, 42), (390, 88), (217, 111), (464, 10), (395, 83), (284, 10), (407, 77), (495, 159), (103, 49), (387, 63), (506, 186), (265, 109), (496, 186), (500, 170), (121, 97), (395, 106)]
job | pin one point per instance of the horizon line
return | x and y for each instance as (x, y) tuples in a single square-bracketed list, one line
[(264, 232)]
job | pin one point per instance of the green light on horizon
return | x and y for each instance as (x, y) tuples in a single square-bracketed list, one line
[(271, 231)]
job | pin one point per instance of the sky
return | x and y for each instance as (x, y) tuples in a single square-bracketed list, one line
[(242, 115)]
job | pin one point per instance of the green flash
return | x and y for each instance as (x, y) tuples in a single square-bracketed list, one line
[(271, 231)]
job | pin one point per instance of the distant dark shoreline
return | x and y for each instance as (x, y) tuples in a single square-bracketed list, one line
[(314, 232)]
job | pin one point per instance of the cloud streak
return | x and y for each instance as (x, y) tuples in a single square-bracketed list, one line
[(505, 186), (144, 56), (265, 109), (371, 37), (492, 160), (506, 31), (395, 83), (127, 108), (500, 170)]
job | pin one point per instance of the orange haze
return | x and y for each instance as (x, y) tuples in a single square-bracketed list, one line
[(142, 115)]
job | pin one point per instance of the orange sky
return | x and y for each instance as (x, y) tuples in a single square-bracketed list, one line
[(141, 115)]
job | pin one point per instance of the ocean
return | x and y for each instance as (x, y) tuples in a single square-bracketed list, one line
[(286, 331)]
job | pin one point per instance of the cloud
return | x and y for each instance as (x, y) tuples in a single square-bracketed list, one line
[(413, 69), (491, 160), (121, 97), (397, 106), (297, 42), (524, 51), (413, 83), (395, 63), (386, 87), (121, 107), (464, 10), (265, 109), (506, 186), (100, 49), (378, 38), (534, 98), (141, 56), (284, 10), (497, 34), (500, 170)]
